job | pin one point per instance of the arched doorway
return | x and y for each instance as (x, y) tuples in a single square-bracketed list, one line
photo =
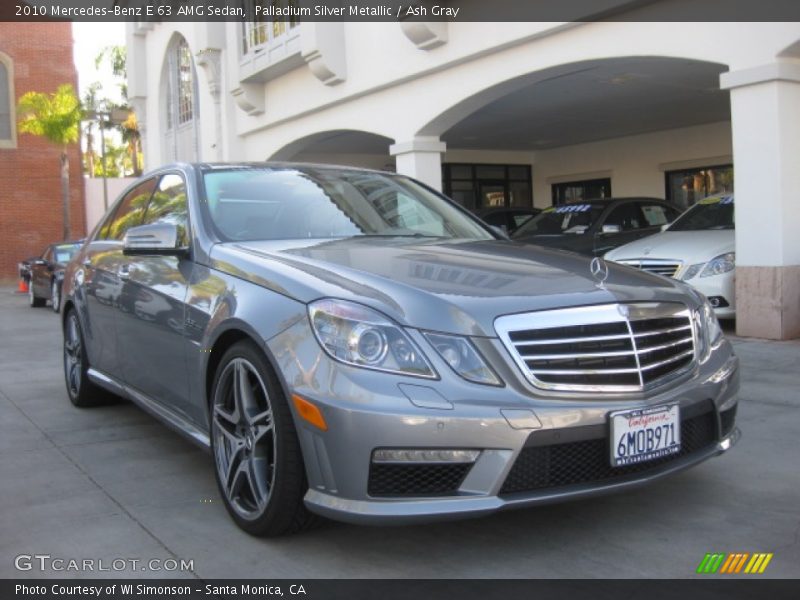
[(342, 147)]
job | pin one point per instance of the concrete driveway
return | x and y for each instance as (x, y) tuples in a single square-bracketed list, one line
[(111, 483)]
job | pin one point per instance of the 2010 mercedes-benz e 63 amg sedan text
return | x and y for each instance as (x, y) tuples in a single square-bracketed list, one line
[(352, 344)]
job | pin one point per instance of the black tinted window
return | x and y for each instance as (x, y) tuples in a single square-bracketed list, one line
[(129, 213), (168, 205), (627, 217)]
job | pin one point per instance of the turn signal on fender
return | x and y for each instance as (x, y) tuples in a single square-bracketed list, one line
[(309, 412)]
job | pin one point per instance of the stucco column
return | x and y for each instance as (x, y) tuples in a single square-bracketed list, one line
[(421, 158), (765, 122), (211, 60)]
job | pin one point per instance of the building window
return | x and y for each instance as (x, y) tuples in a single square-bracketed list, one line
[(179, 85), (685, 187), (264, 30), (577, 191), (477, 186), (185, 82), (7, 117)]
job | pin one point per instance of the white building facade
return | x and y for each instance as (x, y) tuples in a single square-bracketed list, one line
[(506, 113)]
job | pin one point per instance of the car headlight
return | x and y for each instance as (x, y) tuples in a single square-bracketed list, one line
[(719, 265), (463, 358), (710, 331), (362, 337)]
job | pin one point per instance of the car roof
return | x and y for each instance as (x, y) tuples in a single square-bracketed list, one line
[(225, 166), (604, 201)]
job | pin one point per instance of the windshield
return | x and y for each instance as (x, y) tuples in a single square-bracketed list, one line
[(281, 203), (715, 212), (569, 218), (63, 254)]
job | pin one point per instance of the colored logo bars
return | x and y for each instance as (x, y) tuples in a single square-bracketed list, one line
[(736, 562)]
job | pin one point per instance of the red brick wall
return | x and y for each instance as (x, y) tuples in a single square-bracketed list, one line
[(30, 176)]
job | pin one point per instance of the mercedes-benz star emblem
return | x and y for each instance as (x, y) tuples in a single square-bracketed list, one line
[(599, 270)]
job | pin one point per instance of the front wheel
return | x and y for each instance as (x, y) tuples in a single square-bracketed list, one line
[(55, 296), (257, 458)]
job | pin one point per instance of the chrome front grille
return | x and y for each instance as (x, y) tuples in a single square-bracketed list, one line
[(667, 268), (610, 347)]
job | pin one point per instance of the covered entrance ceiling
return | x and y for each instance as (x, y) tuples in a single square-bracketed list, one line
[(606, 99)]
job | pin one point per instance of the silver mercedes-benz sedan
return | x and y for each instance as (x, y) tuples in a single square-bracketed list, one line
[(350, 343)]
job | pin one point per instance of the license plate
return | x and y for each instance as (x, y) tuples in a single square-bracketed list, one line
[(645, 434)]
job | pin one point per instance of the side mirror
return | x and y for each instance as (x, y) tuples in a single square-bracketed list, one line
[(158, 238), (609, 228)]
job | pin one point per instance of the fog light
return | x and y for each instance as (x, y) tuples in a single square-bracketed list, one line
[(433, 455), (718, 302)]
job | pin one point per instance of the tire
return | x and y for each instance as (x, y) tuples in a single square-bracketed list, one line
[(258, 463), (82, 392), (33, 299), (55, 296)]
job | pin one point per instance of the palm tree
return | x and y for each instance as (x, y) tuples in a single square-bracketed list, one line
[(55, 117), (117, 58), (91, 104)]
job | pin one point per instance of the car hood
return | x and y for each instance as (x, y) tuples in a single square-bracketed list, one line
[(441, 285), (688, 246)]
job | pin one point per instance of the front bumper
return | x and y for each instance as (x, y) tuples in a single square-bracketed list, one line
[(718, 286), (370, 512), (365, 410)]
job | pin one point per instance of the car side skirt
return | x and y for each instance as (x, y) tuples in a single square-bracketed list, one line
[(165, 415)]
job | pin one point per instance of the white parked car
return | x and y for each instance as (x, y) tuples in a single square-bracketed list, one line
[(698, 248)]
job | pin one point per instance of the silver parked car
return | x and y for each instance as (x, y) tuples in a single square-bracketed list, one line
[(352, 344)]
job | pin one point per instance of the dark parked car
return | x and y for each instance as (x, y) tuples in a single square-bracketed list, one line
[(350, 343), (507, 218), (596, 226), (45, 273)]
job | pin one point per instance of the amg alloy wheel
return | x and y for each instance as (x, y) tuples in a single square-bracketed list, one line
[(257, 458), (82, 392)]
